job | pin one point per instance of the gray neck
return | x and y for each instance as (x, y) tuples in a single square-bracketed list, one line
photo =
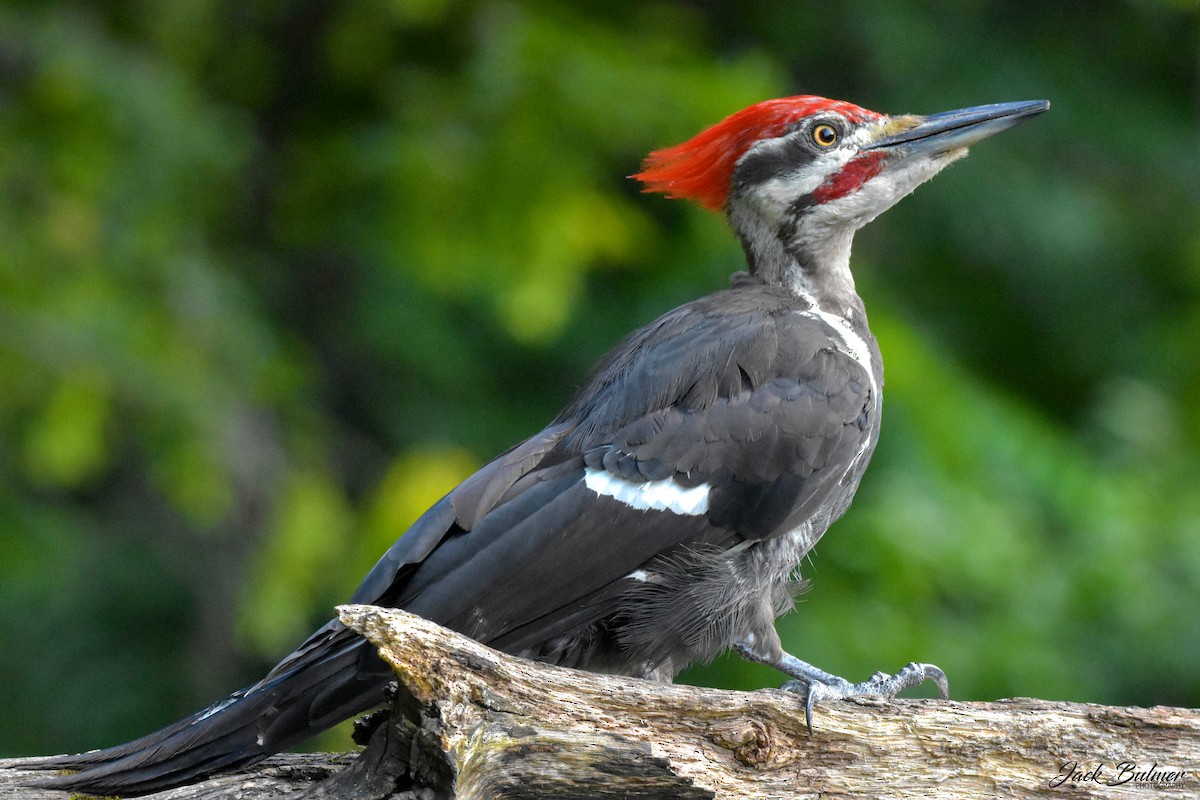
[(804, 255)]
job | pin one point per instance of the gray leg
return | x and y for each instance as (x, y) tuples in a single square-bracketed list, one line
[(817, 684)]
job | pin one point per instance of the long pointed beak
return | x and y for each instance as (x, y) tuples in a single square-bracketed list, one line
[(951, 130)]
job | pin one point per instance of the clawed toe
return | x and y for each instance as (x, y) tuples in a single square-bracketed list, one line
[(815, 685), (880, 685)]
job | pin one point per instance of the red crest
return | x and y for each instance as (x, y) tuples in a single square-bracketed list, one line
[(701, 168)]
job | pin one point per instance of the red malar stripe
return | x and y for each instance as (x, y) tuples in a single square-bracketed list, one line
[(856, 172)]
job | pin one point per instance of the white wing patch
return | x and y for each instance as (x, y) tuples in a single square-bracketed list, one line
[(664, 495)]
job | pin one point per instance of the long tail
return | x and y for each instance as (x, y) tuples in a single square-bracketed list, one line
[(332, 676)]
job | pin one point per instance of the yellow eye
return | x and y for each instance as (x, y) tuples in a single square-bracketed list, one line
[(825, 135)]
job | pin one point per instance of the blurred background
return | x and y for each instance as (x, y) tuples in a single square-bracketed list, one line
[(274, 276)]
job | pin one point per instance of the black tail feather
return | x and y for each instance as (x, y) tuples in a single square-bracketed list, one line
[(333, 675)]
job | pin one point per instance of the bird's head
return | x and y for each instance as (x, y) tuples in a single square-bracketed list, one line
[(798, 176)]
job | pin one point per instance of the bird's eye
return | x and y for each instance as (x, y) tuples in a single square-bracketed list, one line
[(825, 135)]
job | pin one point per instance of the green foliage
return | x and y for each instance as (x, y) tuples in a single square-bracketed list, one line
[(275, 276)]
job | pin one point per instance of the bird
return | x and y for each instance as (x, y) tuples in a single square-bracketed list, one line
[(660, 519)]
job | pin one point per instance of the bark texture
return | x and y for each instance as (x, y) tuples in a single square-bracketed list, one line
[(475, 724)]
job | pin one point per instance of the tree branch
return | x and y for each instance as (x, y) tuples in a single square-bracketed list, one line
[(477, 723)]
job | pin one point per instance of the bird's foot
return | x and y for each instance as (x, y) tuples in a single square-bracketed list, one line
[(879, 685), (816, 685)]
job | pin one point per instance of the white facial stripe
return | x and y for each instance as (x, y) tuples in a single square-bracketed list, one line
[(774, 197), (664, 495)]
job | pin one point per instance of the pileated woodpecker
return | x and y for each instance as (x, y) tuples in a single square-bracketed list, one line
[(661, 517)]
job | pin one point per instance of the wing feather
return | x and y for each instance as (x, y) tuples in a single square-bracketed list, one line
[(756, 405)]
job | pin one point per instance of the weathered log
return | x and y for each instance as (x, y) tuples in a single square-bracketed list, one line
[(474, 723)]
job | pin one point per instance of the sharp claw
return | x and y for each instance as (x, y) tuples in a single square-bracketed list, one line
[(934, 672), (811, 692)]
